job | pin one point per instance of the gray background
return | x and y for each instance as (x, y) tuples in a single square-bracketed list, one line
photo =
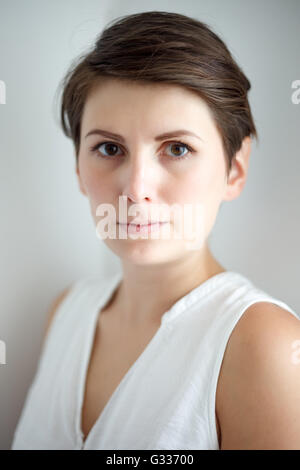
[(47, 235)]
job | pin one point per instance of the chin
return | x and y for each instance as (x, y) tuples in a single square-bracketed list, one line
[(145, 252)]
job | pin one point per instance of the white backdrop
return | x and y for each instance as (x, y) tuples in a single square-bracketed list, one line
[(47, 234)]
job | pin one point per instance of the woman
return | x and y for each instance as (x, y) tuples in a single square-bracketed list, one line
[(177, 352)]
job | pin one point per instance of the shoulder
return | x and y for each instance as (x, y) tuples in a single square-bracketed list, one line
[(257, 402), (56, 302)]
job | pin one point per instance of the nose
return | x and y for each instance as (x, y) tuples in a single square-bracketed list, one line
[(138, 181)]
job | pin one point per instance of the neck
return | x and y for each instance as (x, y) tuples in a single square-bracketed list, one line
[(147, 292)]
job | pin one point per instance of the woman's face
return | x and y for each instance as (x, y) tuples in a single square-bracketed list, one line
[(148, 171)]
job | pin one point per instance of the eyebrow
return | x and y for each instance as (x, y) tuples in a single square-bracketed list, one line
[(166, 135)]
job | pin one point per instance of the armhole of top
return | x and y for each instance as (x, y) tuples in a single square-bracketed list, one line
[(74, 289), (213, 379)]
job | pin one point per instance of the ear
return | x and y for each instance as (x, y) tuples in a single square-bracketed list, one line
[(81, 187), (239, 170)]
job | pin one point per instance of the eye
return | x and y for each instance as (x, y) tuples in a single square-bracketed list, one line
[(111, 148), (176, 146), (108, 146)]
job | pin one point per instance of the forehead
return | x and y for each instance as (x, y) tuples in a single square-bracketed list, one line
[(157, 107)]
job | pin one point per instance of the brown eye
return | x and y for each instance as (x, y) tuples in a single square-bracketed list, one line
[(177, 149), (109, 147), (176, 152), (108, 152)]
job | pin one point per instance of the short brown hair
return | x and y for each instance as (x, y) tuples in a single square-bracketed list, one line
[(158, 46)]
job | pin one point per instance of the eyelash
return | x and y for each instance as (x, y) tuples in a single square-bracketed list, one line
[(94, 148)]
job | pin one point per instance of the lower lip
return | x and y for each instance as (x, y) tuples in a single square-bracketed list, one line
[(142, 229)]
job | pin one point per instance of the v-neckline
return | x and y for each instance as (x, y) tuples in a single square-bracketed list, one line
[(100, 305), (180, 305), (91, 336)]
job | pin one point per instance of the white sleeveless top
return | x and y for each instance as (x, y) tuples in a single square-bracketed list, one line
[(167, 398)]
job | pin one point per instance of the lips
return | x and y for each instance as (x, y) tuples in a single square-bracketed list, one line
[(142, 229), (141, 223)]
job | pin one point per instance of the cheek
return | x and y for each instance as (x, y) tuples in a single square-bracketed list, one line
[(96, 183), (98, 188), (204, 186)]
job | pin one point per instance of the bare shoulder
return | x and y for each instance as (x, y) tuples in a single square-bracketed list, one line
[(53, 309), (257, 401)]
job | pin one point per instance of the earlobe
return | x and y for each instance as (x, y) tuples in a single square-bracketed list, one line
[(239, 170)]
